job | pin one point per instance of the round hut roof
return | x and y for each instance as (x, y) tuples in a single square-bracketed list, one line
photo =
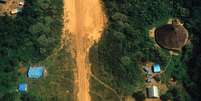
[(171, 36)]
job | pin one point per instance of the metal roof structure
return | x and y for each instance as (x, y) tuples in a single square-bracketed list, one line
[(156, 68), (153, 92), (35, 72)]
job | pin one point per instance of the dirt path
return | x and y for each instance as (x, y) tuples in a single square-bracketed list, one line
[(85, 20)]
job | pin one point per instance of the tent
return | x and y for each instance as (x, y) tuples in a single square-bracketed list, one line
[(22, 87), (35, 72)]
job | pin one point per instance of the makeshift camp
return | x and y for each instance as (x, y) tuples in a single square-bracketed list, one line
[(35, 72), (22, 87)]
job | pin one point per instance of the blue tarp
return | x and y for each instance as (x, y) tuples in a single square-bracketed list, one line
[(156, 68), (35, 72), (22, 87)]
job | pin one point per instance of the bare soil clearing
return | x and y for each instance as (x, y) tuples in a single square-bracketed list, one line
[(85, 21)]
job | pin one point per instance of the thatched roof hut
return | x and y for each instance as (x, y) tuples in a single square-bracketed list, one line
[(171, 36)]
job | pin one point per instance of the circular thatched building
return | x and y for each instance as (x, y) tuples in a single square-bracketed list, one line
[(171, 36)]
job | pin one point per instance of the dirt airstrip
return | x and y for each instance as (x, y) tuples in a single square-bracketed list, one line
[(85, 21)]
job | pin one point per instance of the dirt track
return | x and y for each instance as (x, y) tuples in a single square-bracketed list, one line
[(85, 20)]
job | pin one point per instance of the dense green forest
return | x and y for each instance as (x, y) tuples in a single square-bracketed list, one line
[(193, 62), (125, 46), (27, 39)]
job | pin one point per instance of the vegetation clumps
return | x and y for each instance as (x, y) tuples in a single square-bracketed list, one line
[(125, 46), (28, 38)]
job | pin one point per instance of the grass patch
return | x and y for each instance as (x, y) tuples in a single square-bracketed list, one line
[(100, 93), (58, 84)]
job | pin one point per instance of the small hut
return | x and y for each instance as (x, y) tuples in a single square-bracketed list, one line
[(171, 36)]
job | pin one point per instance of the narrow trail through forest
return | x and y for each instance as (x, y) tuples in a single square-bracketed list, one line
[(85, 21)]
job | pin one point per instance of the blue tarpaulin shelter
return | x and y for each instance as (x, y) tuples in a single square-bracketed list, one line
[(35, 72), (156, 68), (22, 87)]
